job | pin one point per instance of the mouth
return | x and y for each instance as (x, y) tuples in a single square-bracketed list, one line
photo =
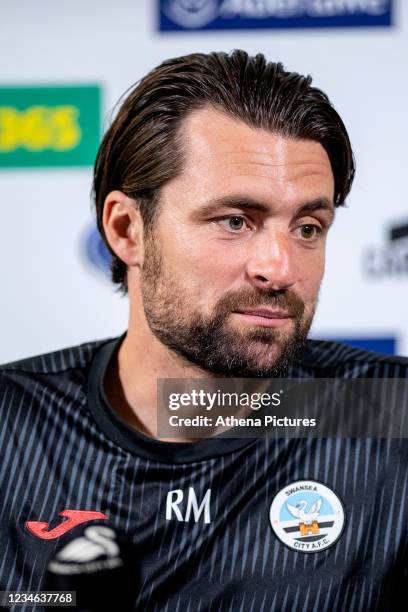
[(264, 316)]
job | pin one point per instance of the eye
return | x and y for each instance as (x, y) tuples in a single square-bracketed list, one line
[(233, 223), (310, 231)]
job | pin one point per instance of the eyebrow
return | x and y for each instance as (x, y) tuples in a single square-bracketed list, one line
[(245, 203)]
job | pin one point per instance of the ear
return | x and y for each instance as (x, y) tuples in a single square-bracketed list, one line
[(123, 227)]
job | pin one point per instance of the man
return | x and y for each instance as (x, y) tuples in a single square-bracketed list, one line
[(215, 188)]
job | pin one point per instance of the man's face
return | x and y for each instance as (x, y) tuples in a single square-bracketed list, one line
[(235, 259)]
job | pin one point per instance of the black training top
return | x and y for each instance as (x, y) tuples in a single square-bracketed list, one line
[(221, 524)]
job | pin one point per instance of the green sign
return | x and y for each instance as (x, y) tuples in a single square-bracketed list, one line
[(49, 126)]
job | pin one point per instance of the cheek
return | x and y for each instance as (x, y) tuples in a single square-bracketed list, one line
[(311, 273), (206, 273), (210, 275)]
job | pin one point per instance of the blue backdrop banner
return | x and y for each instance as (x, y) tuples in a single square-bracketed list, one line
[(190, 15)]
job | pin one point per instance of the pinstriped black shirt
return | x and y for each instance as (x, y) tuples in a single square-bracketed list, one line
[(62, 447)]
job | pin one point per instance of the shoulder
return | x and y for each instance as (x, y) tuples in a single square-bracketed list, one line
[(61, 369), (77, 356), (334, 359)]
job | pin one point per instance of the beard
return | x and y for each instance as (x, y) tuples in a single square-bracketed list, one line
[(208, 341)]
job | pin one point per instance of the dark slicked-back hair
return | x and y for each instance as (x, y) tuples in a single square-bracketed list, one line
[(142, 149)]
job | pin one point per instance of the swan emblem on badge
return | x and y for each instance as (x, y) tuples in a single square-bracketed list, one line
[(307, 516)]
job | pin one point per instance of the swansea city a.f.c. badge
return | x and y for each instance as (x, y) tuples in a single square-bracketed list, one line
[(307, 516)]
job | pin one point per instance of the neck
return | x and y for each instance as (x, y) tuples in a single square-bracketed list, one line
[(131, 378)]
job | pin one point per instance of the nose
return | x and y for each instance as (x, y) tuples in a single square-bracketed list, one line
[(272, 263)]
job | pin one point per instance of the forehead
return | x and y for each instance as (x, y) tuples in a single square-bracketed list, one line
[(224, 154)]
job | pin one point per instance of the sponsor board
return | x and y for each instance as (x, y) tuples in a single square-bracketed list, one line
[(49, 126), (389, 261), (386, 345), (179, 15)]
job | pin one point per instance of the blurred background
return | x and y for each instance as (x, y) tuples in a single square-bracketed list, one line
[(64, 65)]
